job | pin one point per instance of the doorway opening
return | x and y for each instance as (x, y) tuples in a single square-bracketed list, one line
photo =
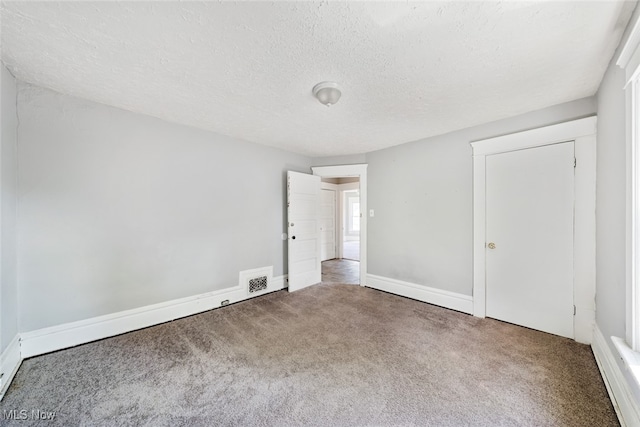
[(340, 230)]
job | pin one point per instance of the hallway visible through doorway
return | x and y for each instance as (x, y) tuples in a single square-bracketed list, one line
[(340, 230), (351, 250), (350, 215)]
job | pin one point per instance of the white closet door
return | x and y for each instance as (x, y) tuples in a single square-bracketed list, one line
[(328, 224), (529, 237)]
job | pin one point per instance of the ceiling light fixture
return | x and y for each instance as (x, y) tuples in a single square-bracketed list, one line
[(327, 93)]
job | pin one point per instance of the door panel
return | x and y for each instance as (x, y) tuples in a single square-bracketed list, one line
[(303, 201), (328, 224), (529, 214)]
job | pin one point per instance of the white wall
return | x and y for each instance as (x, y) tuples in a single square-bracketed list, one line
[(611, 202), (422, 196), (353, 159), (611, 187), (8, 206), (120, 210)]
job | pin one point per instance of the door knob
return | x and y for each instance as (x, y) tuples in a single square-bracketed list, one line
[(491, 245)]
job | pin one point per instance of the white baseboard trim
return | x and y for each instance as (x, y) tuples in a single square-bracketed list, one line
[(71, 334), (583, 323), (279, 282), (627, 409), (10, 361), (452, 300)]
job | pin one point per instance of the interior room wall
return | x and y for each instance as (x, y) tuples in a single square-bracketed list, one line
[(611, 187), (8, 207), (120, 210), (421, 193), (353, 159), (611, 202)]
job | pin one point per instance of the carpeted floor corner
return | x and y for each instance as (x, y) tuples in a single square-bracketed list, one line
[(329, 355)]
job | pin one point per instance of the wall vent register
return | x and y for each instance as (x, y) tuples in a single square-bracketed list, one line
[(258, 284), (256, 281)]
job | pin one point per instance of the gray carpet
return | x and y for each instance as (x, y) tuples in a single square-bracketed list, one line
[(330, 355)]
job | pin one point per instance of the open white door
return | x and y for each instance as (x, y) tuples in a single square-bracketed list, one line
[(303, 209)]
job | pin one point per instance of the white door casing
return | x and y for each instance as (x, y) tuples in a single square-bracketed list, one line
[(583, 133), (529, 230), (303, 230), (328, 223)]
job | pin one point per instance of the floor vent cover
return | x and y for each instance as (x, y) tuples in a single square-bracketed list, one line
[(258, 284), (256, 281)]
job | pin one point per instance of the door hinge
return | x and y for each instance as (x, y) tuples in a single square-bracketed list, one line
[(575, 162), (574, 310)]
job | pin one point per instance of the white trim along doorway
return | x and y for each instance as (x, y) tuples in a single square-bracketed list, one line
[(358, 171), (583, 133)]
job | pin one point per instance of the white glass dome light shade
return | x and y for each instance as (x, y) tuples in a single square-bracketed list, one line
[(327, 93)]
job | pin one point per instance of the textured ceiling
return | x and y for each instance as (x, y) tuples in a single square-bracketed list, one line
[(246, 69)]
